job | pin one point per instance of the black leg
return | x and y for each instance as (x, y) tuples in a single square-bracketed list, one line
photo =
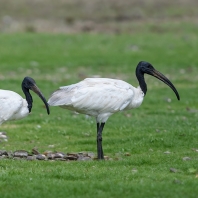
[(98, 126), (99, 140)]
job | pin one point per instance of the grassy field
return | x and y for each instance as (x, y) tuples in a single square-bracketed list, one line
[(146, 133)]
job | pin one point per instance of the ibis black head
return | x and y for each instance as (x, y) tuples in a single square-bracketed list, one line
[(29, 83), (144, 67)]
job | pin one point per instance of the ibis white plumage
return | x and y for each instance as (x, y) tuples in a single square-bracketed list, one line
[(13, 106), (102, 97)]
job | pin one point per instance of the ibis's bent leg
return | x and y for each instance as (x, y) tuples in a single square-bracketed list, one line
[(99, 140)]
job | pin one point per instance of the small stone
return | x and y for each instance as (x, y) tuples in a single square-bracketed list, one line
[(80, 156), (3, 136), (35, 151), (84, 159), (3, 133), (195, 149), (30, 158), (40, 157), (70, 157), (127, 154), (167, 152), (47, 152), (3, 156), (186, 158), (92, 155), (106, 157), (51, 146), (59, 155), (173, 170), (3, 152), (50, 156), (134, 170), (167, 99), (20, 153)]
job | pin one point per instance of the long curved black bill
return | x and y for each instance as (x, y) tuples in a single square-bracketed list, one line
[(38, 92), (164, 79)]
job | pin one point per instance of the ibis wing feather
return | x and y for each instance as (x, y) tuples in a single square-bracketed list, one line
[(10, 102), (94, 95)]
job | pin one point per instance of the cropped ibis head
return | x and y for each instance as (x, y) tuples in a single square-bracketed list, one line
[(144, 67), (29, 83)]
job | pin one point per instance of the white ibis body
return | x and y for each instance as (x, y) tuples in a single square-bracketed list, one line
[(13, 106), (102, 97)]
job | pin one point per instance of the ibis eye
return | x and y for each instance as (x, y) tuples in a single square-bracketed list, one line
[(149, 66)]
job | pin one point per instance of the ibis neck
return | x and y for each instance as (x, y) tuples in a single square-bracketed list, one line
[(141, 80), (28, 98)]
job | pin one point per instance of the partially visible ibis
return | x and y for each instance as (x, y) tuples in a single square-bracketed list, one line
[(14, 107), (102, 97)]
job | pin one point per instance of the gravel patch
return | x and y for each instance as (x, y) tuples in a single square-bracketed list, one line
[(47, 155), (3, 137)]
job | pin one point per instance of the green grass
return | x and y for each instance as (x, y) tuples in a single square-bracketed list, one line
[(146, 133)]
